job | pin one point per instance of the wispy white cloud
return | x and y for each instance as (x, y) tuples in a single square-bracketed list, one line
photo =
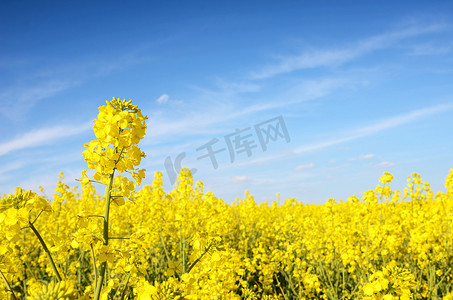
[(11, 167), (305, 90), (431, 49), (378, 126), (361, 132), (349, 136), (335, 57), (19, 99), (323, 144), (306, 166), (167, 128), (162, 99), (220, 112), (41, 137), (241, 179), (237, 87), (385, 164), (48, 81), (363, 156), (404, 118), (224, 87)]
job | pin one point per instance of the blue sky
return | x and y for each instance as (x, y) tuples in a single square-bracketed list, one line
[(360, 87)]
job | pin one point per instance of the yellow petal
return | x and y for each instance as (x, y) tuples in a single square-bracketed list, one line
[(74, 244)]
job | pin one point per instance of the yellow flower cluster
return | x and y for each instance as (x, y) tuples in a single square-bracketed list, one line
[(18, 209), (393, 282), (189, 244), (57, 291), (118, 127)]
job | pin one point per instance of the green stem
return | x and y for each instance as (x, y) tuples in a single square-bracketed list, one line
[(100, 281), (94, 266), (280, 286), (163, 245), (199, 258), (8, 287), (123, 294), (44, 246)]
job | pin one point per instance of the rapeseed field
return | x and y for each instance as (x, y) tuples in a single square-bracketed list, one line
[(141, 242)]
